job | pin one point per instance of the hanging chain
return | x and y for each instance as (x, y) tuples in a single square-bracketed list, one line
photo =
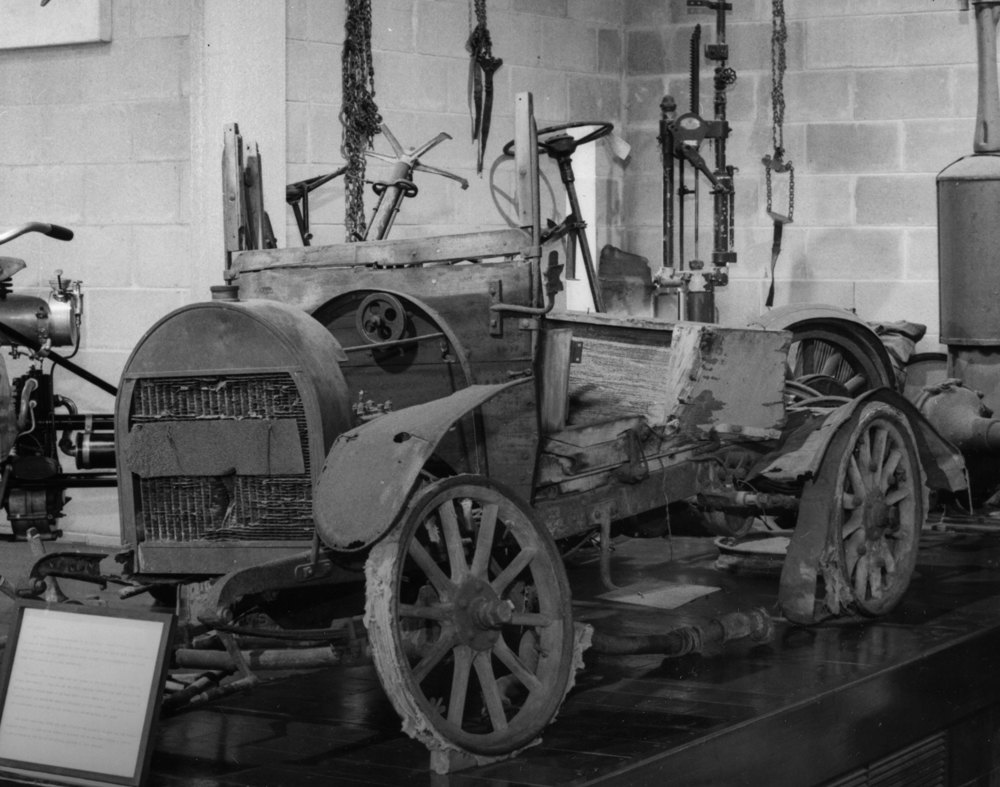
[(480, 42), (359, 113), (779, 38), (776, 162)]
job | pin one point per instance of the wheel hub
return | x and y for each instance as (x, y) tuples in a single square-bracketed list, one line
[(479, 614)]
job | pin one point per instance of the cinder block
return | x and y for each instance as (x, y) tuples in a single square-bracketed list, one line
[(740, 302), (595, 11), (161, 130), (415, 82), (99, 256), (118, 318), (854, 41), (517, 38), (392, 26), (314, 72), (930, 145), (569, 45), (749, 46), (43, 193), (881, 94), (164, 18), (25, 131), (162, 255), (888, 200), (647, 13), (813, 9), (327, 21), (549, 90), (638, 208), (326, 133), (645, 52), (830, 292), (297, 131), (936, 38), (441, 29), (140, 193), (854, 253), (543, 7), (642, 99), (891, 299), (853, 147), (610, 50), (921, 254), (141, 70), (821, 200), (594, 98), (966, 94), (297, 27), (813, 96), (863, 7)]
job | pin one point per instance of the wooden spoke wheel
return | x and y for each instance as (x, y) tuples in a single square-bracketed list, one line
[(468, 613), (878, 507), (838, 358)]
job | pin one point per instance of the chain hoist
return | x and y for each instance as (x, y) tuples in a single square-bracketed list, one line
[(359, 113), (481, 70), (776, 163)]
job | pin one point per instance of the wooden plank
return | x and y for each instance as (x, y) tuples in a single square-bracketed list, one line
[(511, 242), (232, 190), (554, 405), (526, 165)]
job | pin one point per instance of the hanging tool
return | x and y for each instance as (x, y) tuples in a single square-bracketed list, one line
[(776, 163), (297, 196), (481, 71)]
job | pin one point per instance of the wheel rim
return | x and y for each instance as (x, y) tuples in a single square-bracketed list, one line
[(878, 511), (469, 618), (833, 357)]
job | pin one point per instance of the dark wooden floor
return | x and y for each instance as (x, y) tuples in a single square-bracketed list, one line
[(808, 707), (811, 706)]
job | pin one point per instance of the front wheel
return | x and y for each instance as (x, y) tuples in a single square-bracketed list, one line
[(468, 612)]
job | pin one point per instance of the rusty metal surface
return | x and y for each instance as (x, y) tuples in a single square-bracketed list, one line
[(371, 470)]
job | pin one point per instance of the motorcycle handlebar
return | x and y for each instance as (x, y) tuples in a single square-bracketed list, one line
[(52, 230)]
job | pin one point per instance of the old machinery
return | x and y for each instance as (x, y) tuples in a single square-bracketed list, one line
[(682, 138), (37, 424)]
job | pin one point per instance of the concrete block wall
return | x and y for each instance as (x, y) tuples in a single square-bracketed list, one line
[(880, 96), (96, 137), (568, 53)]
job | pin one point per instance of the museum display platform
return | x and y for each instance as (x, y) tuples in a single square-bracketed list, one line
[(910, 699)]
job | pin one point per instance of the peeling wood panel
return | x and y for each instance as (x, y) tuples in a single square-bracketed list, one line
[(614, 380)]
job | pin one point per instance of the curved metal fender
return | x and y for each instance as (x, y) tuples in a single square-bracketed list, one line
[(942, 461), (370, 470)]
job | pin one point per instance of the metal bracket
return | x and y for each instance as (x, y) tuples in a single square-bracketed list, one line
[(496, 298)]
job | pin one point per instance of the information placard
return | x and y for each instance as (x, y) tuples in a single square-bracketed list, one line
[(81, 687)]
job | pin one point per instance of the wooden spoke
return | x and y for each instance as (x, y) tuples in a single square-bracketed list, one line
[(459, 684), (435, 575), (433, 657), (510, 660), (854, 474), (889, 469), (484, 541), (857, 384), (491, 690), (516, 566), (854, 521), (453, 541), (898, 495), (878, 448)]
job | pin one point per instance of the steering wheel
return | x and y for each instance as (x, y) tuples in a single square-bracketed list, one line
[(567, 144)]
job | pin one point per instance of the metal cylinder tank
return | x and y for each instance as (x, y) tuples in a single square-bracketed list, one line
[(224, 416), (968, 200)]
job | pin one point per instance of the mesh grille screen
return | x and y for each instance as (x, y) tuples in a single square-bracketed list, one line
[(224, 508)]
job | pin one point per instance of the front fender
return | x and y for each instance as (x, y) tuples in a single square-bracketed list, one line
[(371, 470)]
